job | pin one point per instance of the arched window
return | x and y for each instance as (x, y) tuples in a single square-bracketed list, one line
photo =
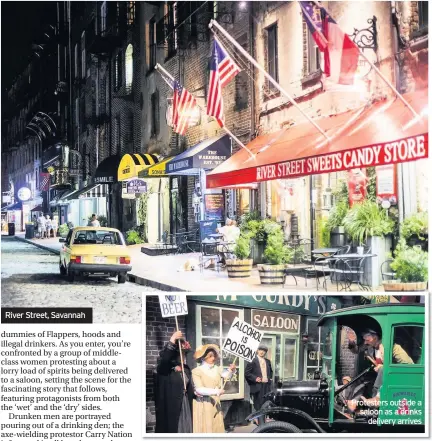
[(129, 68)]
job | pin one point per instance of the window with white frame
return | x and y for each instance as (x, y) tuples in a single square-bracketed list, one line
[(212, 326), (103, 17), (83, 56), (313, 55), (129, 68)]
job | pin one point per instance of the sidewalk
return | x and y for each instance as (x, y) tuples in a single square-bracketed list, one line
[(164, 273)]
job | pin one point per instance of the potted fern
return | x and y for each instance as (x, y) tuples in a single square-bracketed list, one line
[(368, 224), (277, 255), (241, 266), (411, 267)]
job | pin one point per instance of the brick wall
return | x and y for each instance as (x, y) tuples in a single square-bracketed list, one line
[(191, 67), (157, 330)]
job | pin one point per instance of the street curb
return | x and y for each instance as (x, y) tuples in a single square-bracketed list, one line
[(153, 283), (130, 277), (43, 247)]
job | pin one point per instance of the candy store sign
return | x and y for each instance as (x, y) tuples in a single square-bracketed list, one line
[(403, 150)]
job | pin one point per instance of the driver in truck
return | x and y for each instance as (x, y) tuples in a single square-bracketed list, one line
[(374, 351)]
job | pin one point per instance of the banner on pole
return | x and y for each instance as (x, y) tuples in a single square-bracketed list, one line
[(242, 340), (173, 305)]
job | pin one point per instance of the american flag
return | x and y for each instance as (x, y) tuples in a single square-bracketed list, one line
[(222, 70), (44, 182), (183, 103)]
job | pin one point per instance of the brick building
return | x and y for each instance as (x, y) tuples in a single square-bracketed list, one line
[(177, 37), (111, 101), (32, 122), (293, 342)]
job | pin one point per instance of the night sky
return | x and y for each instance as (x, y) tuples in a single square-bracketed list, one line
[(22, 23)]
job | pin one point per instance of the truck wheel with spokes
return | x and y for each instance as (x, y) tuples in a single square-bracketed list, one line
[(277, 427)]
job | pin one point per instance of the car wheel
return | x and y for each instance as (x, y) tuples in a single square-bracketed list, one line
[(62, 269), (277, 427), (121, 278), (71, 276)]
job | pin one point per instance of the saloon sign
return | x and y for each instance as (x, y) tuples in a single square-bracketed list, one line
[(298, 304), (403, 150)]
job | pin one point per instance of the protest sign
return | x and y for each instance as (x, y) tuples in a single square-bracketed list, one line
[(173, 305), (242, 340)]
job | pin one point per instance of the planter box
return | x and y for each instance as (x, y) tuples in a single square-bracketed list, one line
[(396, 285), (338, 237), (381, 246), (257, 251), (272, 274), (239, 268)]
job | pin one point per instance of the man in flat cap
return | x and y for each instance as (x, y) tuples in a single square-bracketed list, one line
[(259, 374)]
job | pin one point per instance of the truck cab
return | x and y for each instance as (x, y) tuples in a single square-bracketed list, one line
[(321, 405)]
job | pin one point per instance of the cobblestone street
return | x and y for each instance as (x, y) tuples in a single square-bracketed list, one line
[(30, 277)]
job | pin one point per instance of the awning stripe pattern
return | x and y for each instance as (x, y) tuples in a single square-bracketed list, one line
[(132, 163)]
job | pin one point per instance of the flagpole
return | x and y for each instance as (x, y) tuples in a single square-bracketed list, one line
[(267, 75), (312, 22), (378, 72), (372, 65), (161, 70)]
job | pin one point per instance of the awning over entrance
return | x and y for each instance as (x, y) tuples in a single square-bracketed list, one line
[(205, 155), (106, 172), (66, 197), (91, 191), (156, 171), (132, 163), (13, 207), (59, 195), (385, 132)]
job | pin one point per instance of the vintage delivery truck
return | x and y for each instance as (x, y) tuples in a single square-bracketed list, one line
[(320, 405)]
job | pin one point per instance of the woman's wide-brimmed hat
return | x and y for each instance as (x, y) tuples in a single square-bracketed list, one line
[(201, 350)]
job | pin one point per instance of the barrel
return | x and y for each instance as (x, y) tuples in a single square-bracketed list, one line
[(272, 274), (239, 268)]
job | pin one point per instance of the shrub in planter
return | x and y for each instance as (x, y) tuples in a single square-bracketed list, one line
[(415, 225), (337, 215), (63, 230), (414, 230), (241, 266), (411, 267), (366, 220), (277, 254), (258, 231), (133, 237), (334, 224)]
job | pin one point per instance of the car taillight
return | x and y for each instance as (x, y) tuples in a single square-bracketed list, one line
[(124, 260), (76, 259)]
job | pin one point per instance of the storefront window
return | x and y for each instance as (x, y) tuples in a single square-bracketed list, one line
[(244, 201), (289, 358), (213, 325)]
